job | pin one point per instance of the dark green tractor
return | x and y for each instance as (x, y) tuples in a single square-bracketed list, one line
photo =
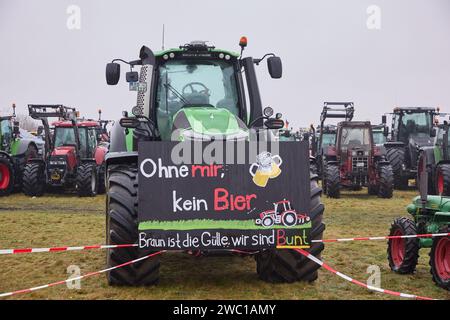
[(192, 93), (429, 214), (412, 129), (14, 153), (438, 161)]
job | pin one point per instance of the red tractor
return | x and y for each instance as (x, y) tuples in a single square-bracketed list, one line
[(282, 214), (356, 162), (73, 158)]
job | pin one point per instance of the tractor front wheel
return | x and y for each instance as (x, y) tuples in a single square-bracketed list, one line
[(385, 182), (440, 261), (33, 182), (86, 181), (403, 253), (288, 265), (443, 180), (332, 181), (122, 228), (6, 175)]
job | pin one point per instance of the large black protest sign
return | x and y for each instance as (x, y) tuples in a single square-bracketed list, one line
[(262, 202)]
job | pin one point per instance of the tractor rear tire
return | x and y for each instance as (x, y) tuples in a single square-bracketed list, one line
[(122, 228), (385, 182), (6, 175), (333, 181), (372, 190), (403, 253), (443, 180), (33, 182), (87, 180), (396, 156), (440, 261), (287, 265), (101, 180)]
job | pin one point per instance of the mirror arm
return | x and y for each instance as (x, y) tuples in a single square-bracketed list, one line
[(256, 120), (258, 61)]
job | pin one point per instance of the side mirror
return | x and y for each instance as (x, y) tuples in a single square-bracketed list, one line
[(275, 67), (274, 124), (16, 128), (112, 73), (433, 132), (383, 119), (129, 122), (40, 130), (386, 131)]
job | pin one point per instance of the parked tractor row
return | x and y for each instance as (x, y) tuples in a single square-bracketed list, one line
[(69, 153), (354, 154)]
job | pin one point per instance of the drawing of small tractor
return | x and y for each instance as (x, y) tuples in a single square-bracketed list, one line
[(281, 214)]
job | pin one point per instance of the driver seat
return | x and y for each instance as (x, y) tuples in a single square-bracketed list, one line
[(197, 98)]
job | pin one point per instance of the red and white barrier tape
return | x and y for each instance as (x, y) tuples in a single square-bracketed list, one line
[(59, 249), (343, 276), (12, 293), (306, 254), (427, 235)]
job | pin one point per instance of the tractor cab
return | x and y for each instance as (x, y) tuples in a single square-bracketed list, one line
[(81, 137), (197, 93), (411, 130), (9, 131), (355, 146)]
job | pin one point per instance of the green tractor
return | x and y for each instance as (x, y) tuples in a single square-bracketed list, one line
[(438, 161), (202, 94), (411, 130), (430, 215), (15, 151)]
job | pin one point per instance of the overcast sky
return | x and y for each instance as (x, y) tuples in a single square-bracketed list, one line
[(328, 52)]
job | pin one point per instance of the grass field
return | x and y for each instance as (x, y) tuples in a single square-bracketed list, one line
[(68, 220)]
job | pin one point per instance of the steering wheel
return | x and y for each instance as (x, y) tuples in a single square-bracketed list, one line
[(191, 85)]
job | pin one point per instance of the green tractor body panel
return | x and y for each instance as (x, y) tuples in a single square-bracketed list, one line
[(208, 121), (129, 140), (438, 156), (15, 146), (435, 216)]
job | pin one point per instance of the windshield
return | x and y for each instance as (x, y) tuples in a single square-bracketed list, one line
[(378, 137), (5, 127), (328, 139), (355, 136), (66, 136), (416, 122), (184, 83)]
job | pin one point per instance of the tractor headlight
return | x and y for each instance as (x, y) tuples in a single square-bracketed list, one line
[(57, 162), (354, 153), (366, 153)]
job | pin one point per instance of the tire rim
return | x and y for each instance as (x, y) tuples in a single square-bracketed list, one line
[(442, 258), (267, 221), (440, 183), (289, 219), (398, 249), (5, 176)]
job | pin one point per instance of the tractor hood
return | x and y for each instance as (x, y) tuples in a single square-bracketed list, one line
[(62, 151), (207, 123), (420, 139)]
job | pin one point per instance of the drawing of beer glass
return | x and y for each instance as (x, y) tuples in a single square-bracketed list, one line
[(268, 167)]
